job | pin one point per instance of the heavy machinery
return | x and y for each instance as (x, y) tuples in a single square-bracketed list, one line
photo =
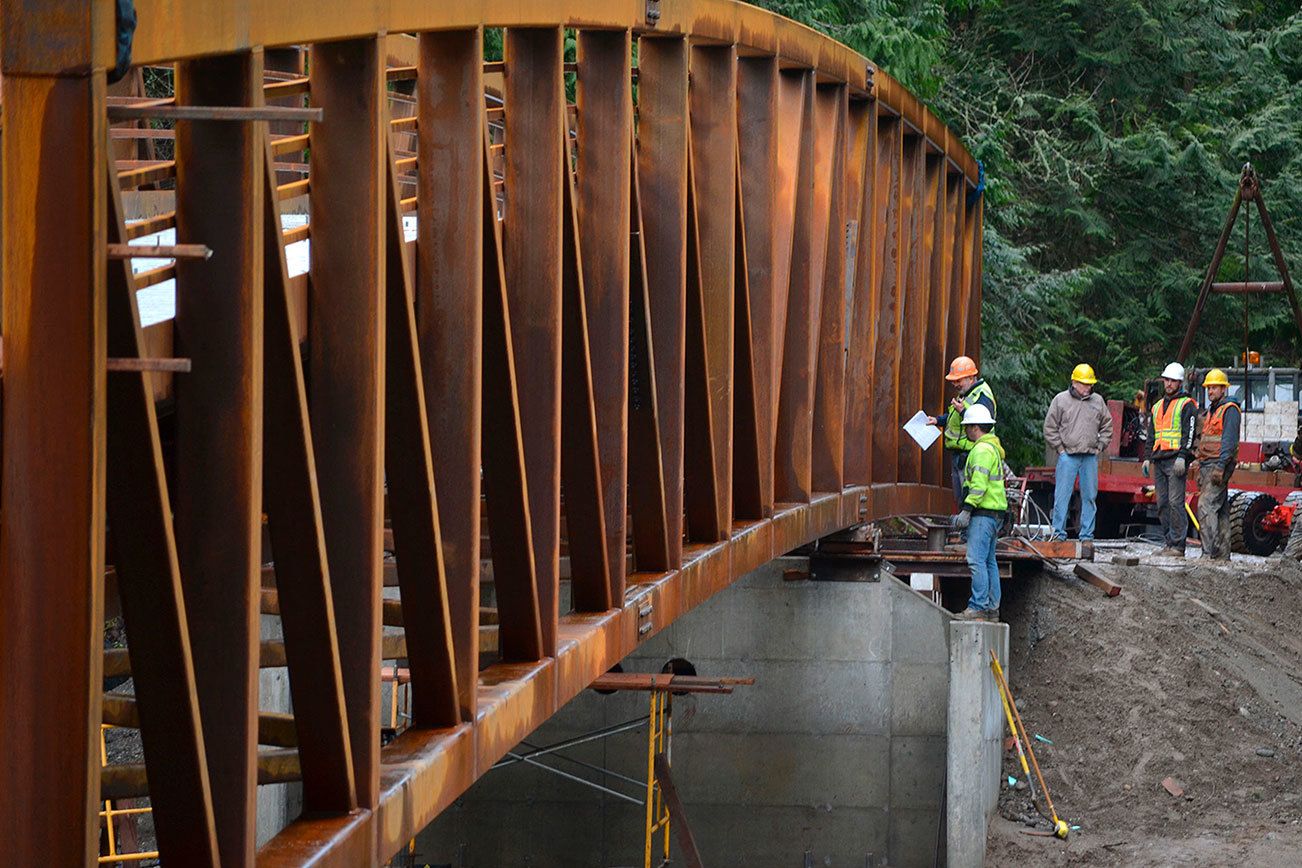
[(1268, 481)]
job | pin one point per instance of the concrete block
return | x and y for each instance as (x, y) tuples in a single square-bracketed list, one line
[(917, 771), (919, 698), (737, 836), (481, 835), (796, 770), (792, 696), (699, 633), (809, 621), (919, 628), (528, 784), (770, 575), (975, 744), (914, 833)]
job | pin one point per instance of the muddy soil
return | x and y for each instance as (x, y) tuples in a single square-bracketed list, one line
[(1195, 673)]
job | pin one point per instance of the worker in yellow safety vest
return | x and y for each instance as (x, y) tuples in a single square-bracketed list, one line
[(1167, 455), (972, 390), (984, 508), (1218, 455)]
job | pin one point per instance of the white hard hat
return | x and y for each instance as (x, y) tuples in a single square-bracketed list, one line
[(1173, 371), (978, 414)]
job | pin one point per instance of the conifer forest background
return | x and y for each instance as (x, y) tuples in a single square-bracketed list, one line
[(1112, 133)]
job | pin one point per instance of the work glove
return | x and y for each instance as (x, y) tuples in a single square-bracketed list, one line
[(1218, 476), (1147, 468), (1179, 467), (961, 521)]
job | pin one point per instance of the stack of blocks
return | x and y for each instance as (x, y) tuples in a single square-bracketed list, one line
[(1279, 421)]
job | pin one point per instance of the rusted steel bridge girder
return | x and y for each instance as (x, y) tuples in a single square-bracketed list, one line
[(627, 325)]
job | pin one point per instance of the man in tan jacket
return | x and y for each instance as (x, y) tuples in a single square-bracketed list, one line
[(1078, 427)]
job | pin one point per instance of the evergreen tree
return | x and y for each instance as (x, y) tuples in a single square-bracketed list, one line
[(1112, 134)]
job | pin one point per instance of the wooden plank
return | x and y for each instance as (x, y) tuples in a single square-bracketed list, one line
[(507, 498), (531, 251), (886, 396), (652, 545), (912, 305), (713, 142), (291, 498), (274, 728), (662, 173), (448, 298), (346, 366), (792, 456), (581, 460), (757, 144), (148, 581), (1094, 575), (412, 498), (861, 330), (218, 419), (605, 141), (828, 445)]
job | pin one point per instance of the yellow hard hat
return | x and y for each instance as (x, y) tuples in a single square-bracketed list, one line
[(1083, 373), (1216, 377)]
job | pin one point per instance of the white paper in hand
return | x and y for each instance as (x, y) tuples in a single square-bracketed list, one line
[(920, 431)]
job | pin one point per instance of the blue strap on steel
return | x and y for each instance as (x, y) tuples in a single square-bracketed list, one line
[(975, 193), (125, 16)]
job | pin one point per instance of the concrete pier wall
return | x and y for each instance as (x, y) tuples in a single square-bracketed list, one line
[(836, 756)]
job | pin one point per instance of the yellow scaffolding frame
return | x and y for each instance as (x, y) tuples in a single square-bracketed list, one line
[(109, 813), (659, 734)]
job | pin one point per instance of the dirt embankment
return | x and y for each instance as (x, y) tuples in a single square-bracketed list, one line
[(1193, 673)]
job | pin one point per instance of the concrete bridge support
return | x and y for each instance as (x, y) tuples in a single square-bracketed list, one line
[(866, 697)]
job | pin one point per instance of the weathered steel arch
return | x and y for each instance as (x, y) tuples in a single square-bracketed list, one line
[(640, 345)]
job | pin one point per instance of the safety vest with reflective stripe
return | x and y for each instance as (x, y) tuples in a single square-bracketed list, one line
[(983, 475), (1209, 445), (954, 437), (1167, 416)]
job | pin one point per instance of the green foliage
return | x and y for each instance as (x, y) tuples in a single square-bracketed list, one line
[(1112, 133)]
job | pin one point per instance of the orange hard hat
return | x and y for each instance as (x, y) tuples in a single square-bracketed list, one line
[(960, 368)]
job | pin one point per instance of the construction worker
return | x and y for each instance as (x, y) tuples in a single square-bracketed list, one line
[(972, 390), (1218, 454), (1078, 427), (1167, 455), (983, 510)]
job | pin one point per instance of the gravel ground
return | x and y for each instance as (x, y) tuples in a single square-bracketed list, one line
[(1195, 673)]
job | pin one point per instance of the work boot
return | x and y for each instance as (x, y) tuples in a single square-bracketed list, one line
[(1170, 552), (970, 614), (992, 615)]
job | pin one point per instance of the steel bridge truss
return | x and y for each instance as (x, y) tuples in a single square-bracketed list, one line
[(637, 347)]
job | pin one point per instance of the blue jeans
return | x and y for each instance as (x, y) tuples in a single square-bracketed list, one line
[(981, 536), (1064, 480)]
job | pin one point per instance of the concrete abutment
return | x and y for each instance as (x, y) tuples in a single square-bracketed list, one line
[(870, 737)]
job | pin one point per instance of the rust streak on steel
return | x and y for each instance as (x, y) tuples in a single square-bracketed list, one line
[(710, 310)]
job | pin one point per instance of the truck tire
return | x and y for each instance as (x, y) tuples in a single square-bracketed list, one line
[(1246, 512)]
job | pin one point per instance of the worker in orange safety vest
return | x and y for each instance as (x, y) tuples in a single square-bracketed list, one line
[(1167, 455)]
